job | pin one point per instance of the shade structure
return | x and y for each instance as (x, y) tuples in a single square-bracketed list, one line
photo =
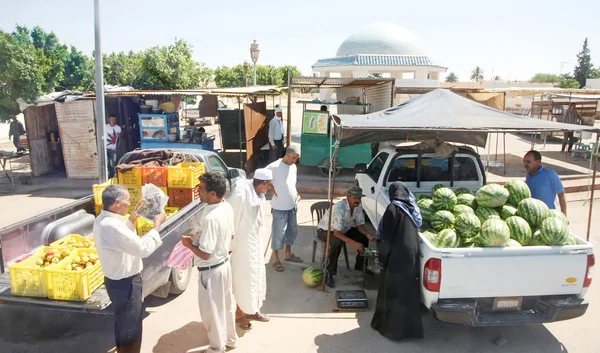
[(440, 114)]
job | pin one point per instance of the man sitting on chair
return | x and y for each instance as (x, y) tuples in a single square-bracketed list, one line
[(348, 224)]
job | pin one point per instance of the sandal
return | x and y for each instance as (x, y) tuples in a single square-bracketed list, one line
[(258, 317), (293, 258), (277, 266), (243, 323)]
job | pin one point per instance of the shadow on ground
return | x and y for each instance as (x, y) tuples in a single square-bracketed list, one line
[(442, 337), (192, 336), (514, 165)]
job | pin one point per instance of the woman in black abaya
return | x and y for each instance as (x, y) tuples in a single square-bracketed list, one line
[(397, 312)]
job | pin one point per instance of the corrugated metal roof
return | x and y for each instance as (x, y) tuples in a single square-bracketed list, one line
[(232, 92), (333, 82), (375, 60)]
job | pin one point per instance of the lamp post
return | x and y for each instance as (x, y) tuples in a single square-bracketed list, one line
[(254, 53), (246, 72)]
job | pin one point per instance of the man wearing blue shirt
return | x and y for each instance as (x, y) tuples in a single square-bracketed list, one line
[(545, 185)]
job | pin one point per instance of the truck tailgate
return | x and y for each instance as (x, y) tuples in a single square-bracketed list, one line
[(95, 304), (510, 272)]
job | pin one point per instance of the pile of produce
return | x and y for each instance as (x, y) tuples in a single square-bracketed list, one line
[(496, 216), (52, 256)]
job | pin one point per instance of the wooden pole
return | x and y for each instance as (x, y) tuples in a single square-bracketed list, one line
[(595, 165), (332, 169), (496, 159), (504, 146)]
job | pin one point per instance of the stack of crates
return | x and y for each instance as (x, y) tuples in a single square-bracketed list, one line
[(143, 226), (98, 189), (132, 180), (183, 180)]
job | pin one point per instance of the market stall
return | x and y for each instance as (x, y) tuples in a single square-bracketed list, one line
[(352, 96), (439, 115)]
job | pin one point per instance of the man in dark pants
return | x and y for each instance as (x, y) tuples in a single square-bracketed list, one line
[(348, 224), (120, 251), (276, 136), (15, 130), (571, 117)]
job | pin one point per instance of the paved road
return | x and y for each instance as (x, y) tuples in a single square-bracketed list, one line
[(302, 321)]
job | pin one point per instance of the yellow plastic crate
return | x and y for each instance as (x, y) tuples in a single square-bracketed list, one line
[(65, 284), (67, 242), (143, 226), (132, 177), (99, 188), (29, 280), (99, 209), (185, 175), (135, 192)]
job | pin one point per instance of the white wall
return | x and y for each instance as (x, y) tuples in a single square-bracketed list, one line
[(592, 83)]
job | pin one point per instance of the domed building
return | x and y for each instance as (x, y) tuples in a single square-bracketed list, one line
[(384, 49)]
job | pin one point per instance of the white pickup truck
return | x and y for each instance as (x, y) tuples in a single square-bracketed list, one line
[(479, 286)]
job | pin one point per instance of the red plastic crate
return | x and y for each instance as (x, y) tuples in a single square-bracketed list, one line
[(154, 175), (182, 197)]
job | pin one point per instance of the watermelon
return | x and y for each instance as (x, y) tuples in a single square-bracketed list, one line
[(446, 239), (436, 187), (443, 220), (517, 192), (491, 195), (533, 211), (556, 213), (423, 196), (312, 276), (444, 199), (426, 226), (465, 199), (494, 232), (463, 191), (513, 244), (430, 236), (460, 209), (554, 231), (519, 230), (536, 242), (571, 240), (507, 211), (485, 213), (467, 225), (426, 209)]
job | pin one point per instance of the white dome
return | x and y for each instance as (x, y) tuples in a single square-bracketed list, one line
[(383, 38)]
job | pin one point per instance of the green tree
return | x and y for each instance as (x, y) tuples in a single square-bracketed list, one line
[(476, 74), (567, 81), (169, 67), (584, 65), (22, 74), (268, 75), (293, 70), (497, 78), (545, 78), (79, 72), (123, 69), (226, 76), (452, 77)]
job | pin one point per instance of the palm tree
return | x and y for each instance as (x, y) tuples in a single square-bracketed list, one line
[(477, 74), (497, 78), (452, 77)]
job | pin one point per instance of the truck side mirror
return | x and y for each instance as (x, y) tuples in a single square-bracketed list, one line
[(233, 173), (360, 168)]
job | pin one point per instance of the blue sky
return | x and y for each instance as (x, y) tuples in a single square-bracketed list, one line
[(514, 39)]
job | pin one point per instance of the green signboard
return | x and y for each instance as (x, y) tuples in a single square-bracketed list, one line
[(315, 122)]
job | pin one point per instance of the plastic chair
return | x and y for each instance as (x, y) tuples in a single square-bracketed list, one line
[(581, 149), (318, 209)]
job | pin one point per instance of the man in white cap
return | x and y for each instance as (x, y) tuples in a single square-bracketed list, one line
[(247, 248), (276, 136)]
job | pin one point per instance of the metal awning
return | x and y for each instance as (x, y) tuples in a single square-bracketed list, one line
[(332, 82), (223, 92)]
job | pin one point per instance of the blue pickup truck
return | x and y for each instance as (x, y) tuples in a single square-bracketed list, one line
[(78, 217)]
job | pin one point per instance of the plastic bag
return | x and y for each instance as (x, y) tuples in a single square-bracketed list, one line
[(154, 201), (180, 257)]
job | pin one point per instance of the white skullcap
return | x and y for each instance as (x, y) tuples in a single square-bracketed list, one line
[(278, 110), (263, 174)]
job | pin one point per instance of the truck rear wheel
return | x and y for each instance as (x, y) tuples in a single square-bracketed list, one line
[(180, 279)]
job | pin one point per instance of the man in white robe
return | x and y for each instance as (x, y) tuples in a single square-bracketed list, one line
[(248, 246)]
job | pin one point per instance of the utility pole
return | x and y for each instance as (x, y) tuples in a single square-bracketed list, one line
[(100, 118)]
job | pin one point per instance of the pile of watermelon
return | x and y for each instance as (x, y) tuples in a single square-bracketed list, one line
[(496, 216)]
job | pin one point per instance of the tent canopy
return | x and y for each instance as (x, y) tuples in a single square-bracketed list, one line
[(440, 114)]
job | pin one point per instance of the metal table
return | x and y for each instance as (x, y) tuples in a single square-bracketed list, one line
[(4, 158)]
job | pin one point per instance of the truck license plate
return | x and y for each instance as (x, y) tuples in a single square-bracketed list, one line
[(507, 303)]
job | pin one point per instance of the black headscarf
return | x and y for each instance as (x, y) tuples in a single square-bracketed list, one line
[(403, 198)]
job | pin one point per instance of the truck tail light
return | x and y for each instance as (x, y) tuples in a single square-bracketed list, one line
[(432, 274), (589, 272)]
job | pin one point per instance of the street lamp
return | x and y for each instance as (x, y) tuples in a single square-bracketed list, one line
[(254, 53), (246, 72)]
